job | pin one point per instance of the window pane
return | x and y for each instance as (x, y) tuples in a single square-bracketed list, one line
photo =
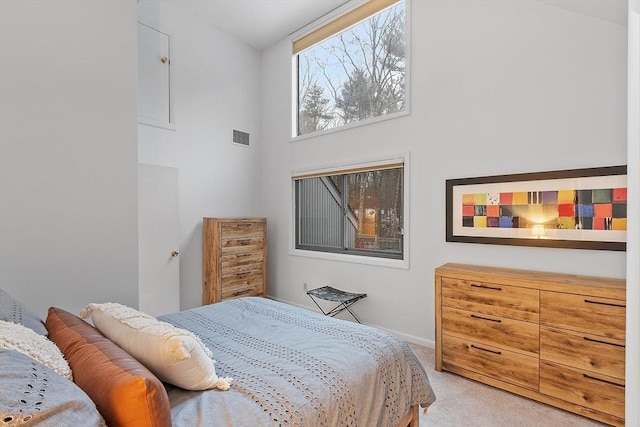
[(359, 213), (319, 212), (375, 199), (355, 75)]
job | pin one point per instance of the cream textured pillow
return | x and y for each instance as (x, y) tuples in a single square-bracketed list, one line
[(174, 355), (17, 337)]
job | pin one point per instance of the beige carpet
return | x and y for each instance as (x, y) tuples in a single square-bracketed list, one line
[(466, 403)]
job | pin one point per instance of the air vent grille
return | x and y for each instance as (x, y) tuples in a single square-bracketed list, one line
[(240, 137)]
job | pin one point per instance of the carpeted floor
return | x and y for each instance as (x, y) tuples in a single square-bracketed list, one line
[(466, 403)]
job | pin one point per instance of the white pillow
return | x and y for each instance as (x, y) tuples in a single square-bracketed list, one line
[(174, 355), (25, 340)]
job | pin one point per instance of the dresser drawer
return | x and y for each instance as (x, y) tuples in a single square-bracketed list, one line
[(234, 245), (237, 261), (508, 334), (236, 290), (597, 316), (241, 229), (491, 361), (595, 391), (584, 351), (242, 282), (241, 245), (246, 276), (497, 300)]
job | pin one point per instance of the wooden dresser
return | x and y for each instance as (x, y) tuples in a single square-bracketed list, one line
[(555, 338), (234, 257)]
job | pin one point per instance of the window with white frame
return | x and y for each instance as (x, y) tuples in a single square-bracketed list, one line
[(352, 68), (358, 211)]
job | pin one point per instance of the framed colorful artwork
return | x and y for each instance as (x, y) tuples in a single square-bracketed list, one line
[(577, 208)]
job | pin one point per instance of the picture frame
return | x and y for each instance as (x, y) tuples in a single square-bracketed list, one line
[(575, 208)]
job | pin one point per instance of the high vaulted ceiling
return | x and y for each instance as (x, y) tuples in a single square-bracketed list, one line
[(260, 23)]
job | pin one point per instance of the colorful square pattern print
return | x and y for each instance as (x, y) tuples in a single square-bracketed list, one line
[(597, 209)]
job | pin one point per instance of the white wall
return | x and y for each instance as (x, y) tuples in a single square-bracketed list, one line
[(632, 388), (68, 207), (215, 89), (496, 88)]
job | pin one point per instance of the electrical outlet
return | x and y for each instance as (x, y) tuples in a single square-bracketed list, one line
[(305, 286)]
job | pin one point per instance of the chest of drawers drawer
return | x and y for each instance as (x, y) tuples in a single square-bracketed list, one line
[(233, 242), (598, 316), (237, 261), (241, 229), (598, 392), (493, 299), (504, 333), (242, 289), (508, 366), (242, 277), (583, 351)]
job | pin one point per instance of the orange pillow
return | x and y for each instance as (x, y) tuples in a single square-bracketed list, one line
[(124, 391)]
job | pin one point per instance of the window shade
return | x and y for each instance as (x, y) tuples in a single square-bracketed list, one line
[(341, 23), (364, 168)]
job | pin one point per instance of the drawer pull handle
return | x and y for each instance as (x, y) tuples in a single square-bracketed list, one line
[(486, 318), (605, 303), (242, 255), (604, 342), (242, 292), (486, 349), (245, 239), (243, 273), (601, 380), (493, 288)]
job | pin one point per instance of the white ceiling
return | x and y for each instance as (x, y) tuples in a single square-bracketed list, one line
[(260, 23)]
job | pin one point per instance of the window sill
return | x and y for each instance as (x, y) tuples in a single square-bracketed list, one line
[(357, 259), (351, 125)]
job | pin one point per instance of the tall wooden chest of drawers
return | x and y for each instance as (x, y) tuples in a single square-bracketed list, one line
[(234, 257), (555, 338)]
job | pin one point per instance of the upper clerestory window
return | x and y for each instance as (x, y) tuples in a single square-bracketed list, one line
[(352, 68)]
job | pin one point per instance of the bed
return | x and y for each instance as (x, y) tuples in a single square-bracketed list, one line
[(287, 366)]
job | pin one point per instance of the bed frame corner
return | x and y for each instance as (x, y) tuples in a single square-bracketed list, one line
[(411, 418)]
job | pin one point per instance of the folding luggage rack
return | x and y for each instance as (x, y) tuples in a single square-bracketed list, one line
[(345, 299)]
